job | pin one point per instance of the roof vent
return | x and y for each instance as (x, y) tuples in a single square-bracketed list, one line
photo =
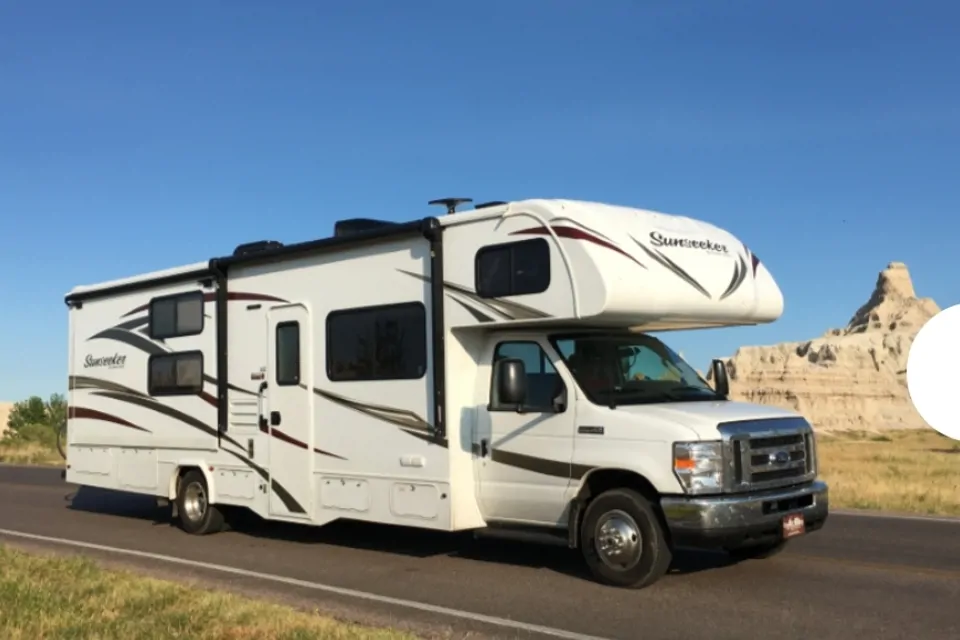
[(353, 226), (492, 203), (256, 247), (451, 203)]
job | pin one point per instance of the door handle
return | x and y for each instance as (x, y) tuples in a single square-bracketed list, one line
[(484, 450), (274, 418)]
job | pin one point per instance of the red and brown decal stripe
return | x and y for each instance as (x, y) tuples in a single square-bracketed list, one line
[(577, 234), (209, 399), (93, 414), (285, 437)]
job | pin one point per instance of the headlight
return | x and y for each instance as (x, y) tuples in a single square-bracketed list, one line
[(699, 466)]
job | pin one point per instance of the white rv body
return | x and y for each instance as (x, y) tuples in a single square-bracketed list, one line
[(264, 392)]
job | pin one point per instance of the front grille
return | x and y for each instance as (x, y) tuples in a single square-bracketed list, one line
[(765, 454)]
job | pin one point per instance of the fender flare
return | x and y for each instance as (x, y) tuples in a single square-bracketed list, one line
[(628, 478), (203, 467)]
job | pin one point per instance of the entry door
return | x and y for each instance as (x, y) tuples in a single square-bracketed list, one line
[(290, 416), (523, 460)]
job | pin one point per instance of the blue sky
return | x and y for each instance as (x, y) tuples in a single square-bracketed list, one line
[(137, 136)]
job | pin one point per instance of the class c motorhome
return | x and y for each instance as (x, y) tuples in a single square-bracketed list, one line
[(492, 369)]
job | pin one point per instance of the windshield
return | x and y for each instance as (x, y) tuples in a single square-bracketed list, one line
[(614, 369)]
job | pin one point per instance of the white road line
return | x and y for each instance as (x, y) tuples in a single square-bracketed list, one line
[(895, 516), (351, 593)]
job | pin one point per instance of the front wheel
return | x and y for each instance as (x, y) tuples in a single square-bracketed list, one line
[(623, 541)]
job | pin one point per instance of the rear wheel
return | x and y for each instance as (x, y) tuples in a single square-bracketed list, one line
[(623, 540), (196, 514)]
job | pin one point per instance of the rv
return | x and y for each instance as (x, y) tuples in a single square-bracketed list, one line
[(492, 369)]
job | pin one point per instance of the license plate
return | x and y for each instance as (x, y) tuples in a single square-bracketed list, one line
[(793, 525)]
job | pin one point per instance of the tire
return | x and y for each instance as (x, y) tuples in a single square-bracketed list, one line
[(194, 511), (757, 551), (645, 555)]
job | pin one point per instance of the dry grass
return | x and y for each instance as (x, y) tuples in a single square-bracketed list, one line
[(915, 471), (72, 597), (29, 453)]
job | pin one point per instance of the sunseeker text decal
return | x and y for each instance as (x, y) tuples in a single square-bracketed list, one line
[(114, 361), (659, 240)]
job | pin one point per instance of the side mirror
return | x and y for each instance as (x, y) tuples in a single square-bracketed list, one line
[(511, 381), (720, 382)]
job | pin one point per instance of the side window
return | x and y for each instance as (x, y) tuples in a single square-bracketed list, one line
[(288, 353), (175, 374), (176, 315), (513, 269), (544, 384), (386, 342)]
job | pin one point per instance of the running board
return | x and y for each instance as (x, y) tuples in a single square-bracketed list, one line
[(520, 533)]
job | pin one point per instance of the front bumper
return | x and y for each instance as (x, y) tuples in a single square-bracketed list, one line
[(736, 520)]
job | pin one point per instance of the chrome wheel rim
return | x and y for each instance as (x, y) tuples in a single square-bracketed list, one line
[(618, 540), (194, 501)]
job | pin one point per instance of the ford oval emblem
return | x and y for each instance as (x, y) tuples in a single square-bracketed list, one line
[(780, 457)]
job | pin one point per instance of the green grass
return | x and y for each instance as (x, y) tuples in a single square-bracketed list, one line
[(50, 597)]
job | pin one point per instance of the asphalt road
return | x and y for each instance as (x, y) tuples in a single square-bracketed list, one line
[(859, 577)]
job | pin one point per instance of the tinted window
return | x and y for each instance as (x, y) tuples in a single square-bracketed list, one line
[(377, 343), (190, 314), (624, 368), (288, 353), (163, 319), (493, 272), (514, 269), (179, 315), (175, 373), (544, 384)]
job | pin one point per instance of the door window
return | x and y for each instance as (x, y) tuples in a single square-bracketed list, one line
[(544, 384), (288, 353)]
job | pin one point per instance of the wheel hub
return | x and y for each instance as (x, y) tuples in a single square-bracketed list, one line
[(618, 540), (194, 501)]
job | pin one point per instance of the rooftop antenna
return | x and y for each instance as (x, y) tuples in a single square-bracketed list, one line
[(450, 203)]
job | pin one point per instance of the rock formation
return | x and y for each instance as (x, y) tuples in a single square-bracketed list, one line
[(5, 409), (850, 378)]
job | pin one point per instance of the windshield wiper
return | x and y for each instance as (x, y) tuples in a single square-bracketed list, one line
[(619, 395), (678, 393)]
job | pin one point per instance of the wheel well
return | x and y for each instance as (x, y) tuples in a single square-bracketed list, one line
[(605, 479), (602, 480), (178, 476)]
